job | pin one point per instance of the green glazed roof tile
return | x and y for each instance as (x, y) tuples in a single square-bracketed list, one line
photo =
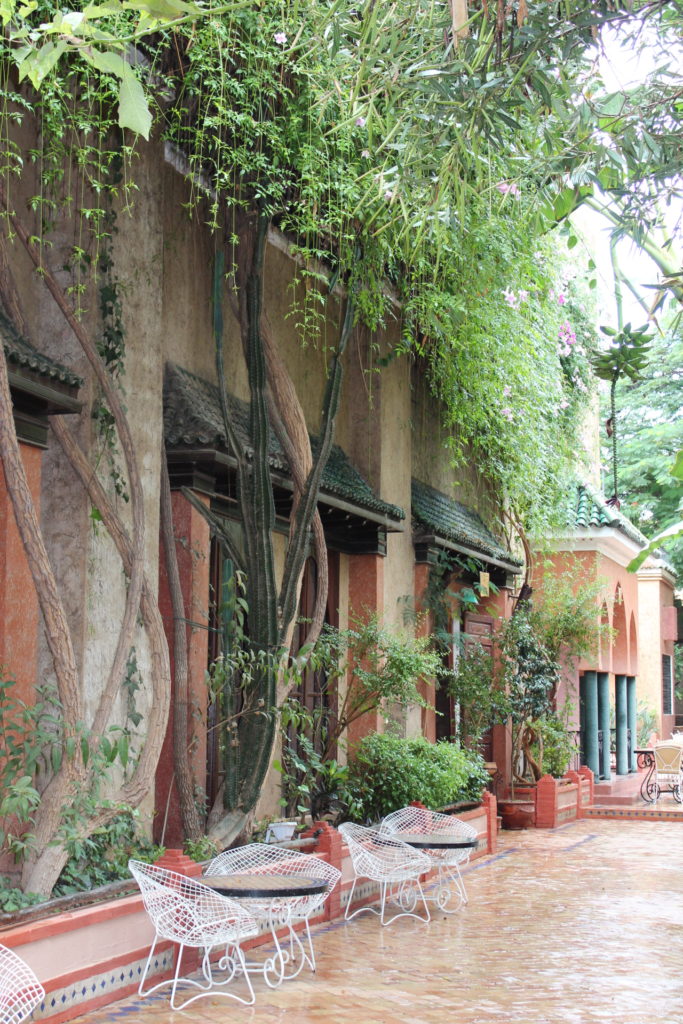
[(437, 513), (20, 353), (192, 416), (589, 510)]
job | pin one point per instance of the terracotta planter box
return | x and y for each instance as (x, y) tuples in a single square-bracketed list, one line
[(555, 801)]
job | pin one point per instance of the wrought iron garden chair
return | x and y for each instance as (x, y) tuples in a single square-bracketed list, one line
[(278, 910), (446, 860), (191, 914), (668, 771), (20, 990), (395, 865)]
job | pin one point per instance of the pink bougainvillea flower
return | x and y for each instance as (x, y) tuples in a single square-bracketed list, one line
[(561, 299), (360, 122), (508, 188), (280, 38), (507, 413), (566, 334)]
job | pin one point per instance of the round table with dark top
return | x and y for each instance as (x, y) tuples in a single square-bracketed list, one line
[(281, 892), (256, 886), (435, 841)]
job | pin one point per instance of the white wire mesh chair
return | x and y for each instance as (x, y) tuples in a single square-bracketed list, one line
[(668, 771), (20, 990), (280, 911), (447, 861), (191, 914), (395, 865)]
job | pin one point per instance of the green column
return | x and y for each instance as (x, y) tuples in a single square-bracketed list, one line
[(588, 693), (604, 724), (620, 706), (632, 719)]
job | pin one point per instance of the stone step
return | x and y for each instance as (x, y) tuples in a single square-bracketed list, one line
[(619, 790)]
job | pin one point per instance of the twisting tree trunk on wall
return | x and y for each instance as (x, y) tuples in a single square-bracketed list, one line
[(192, 825), (47, 856)]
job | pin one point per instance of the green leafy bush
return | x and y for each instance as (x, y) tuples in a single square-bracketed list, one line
[(474, 686), (200, 849), (13, 899), (103, 857), (390, 772), (554, 746)]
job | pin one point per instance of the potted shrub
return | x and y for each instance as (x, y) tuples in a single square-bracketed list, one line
[(561, 626), (531, 675)]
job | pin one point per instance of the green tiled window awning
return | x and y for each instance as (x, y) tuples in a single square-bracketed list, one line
[(40, 386), (447, 523), (193, 422), (21, 355)]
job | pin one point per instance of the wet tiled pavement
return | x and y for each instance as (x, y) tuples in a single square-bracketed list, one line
[(580, 925)]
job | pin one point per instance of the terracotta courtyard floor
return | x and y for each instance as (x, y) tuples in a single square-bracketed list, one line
[(580, 925)]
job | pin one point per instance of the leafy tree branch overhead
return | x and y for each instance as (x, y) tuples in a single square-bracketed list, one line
[(408, 152)]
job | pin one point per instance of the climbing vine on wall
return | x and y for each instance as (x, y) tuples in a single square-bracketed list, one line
[(290, 106), (391, 157)]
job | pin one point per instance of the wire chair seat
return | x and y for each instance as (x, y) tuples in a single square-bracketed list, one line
[(186, 912), (395, 865), (20, 990), (280, 910), (447, 860), (668, 771)]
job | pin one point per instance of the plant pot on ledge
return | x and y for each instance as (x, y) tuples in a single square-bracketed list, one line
[(517, 813)]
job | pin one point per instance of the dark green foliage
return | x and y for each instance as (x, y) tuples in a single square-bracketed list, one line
[(103, 856), (314, 785), (532, 674), (34, 747), (13, 899), (390, 772), (384, 667), (554, 745), (475, 686), (201, 849)]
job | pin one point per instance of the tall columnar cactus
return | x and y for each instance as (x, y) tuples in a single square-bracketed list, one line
[(271, 609)]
